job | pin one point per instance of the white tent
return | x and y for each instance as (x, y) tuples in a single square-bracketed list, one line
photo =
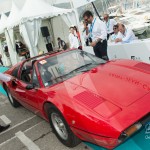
[(14, 18), (2, 27), (35, 9), (3, 22), (31, 16), (6, 5), (11, 21), (29, 21)]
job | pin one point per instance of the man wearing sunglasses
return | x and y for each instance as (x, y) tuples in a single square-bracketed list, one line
[(109, 25), (98, 35), (115, 35)]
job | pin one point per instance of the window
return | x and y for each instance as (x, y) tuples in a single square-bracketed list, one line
[(66, 65), (35, 78), (27, 71)]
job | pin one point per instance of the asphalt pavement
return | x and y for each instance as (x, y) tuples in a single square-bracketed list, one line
[(27, 130)]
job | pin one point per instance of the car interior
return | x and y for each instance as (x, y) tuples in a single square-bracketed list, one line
[(26, 74)]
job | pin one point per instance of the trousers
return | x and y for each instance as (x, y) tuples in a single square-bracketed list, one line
[(100, 50)]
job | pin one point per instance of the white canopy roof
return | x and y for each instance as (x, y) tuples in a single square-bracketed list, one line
[(14, 18), (3, 22), (6, 5), (34, 9)]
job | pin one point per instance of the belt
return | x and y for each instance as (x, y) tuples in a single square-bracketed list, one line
[(101, 41)]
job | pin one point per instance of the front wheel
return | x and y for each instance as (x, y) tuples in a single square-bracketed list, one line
[(13, 102), (61, 128)]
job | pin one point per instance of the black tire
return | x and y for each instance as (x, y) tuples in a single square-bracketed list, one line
[(12, 101), (71, 140)]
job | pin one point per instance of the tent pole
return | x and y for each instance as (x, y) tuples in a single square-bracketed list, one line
[(96, 10)]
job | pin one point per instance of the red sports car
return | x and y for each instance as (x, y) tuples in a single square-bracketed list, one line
[(83, 97)]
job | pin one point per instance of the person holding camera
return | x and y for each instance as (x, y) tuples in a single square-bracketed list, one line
[(98, 35)]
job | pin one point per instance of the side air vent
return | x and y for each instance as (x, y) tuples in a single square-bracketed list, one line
[(143, 66), (89, 99)]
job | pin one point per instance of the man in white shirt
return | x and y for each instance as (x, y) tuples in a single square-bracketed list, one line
[(98, 35), (109, 25), (125, 35), (73, 39)]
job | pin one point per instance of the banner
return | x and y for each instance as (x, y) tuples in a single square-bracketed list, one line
[(79, 3)]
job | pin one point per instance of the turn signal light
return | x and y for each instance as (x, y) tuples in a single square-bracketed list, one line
[(131, 130), (128, 132)]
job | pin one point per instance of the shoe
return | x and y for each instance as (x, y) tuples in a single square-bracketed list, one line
[(3, 128)]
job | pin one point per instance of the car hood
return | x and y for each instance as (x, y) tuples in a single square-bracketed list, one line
[(120, 83)]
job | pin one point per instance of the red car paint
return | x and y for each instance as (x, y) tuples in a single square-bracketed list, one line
[(98, 104)]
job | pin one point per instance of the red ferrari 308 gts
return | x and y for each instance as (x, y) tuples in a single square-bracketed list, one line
[(83, 97)]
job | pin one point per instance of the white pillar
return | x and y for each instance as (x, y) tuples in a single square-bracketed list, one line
[(11, 46)]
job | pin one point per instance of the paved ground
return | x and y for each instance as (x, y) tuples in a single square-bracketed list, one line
[(35, 134)]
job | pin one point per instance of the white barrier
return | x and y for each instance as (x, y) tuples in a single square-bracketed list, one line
[(136, 50)]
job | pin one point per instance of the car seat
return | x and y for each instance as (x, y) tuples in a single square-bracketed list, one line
[(46, 76)]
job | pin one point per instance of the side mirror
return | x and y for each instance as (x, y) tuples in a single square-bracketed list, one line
[(30, 87)]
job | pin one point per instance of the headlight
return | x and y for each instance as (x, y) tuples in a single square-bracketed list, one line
[(130, 131)]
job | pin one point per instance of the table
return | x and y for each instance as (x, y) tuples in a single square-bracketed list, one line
[(135, 50)]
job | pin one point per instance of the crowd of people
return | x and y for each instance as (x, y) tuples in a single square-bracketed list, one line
[(97, 33)]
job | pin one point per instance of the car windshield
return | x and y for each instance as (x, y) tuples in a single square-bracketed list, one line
[(66, 65)]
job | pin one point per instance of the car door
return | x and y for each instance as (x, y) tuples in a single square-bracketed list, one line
[(29, 98), (35, 95)]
